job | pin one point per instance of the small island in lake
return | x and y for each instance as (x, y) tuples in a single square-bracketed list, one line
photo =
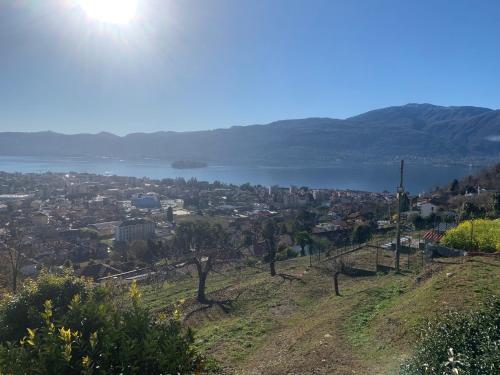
[(188, 164)]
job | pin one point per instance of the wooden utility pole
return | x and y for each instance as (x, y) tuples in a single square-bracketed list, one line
[(472, 234), (400, 192)]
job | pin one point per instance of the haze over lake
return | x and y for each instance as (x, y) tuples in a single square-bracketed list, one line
[(367, 177)]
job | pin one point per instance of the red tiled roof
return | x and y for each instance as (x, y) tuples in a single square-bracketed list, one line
[(433, 236)]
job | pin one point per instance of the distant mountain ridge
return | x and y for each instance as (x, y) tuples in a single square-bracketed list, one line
[(412, 131)]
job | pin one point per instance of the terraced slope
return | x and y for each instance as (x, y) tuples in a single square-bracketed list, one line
[(282, 327)]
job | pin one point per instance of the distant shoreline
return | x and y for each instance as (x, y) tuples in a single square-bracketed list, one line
[(434, 162), (375, 177), (188, 164)]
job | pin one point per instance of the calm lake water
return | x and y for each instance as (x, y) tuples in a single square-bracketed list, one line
[(418, 178)]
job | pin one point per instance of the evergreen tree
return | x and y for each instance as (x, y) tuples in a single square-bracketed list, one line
[(170, 214)]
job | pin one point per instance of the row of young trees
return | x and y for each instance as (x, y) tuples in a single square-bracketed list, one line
[(208, 247)]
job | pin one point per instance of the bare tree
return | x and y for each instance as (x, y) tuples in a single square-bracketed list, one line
[(340, 265), (11, 249), (270, 233), (205, 246)]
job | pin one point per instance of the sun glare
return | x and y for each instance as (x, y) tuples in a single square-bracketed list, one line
[(110, 11)]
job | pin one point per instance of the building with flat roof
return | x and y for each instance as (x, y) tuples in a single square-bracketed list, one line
[(14, 197), (150, 200), (135, 229)]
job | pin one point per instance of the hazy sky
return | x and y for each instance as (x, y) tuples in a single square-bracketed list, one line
[(187, 65)]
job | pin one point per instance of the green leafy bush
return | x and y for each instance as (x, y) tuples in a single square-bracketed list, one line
[(250, 261), (290, 253), (24, 309), (483, 235), (101, 337), (459, 344), (285, 254), (361, 233)]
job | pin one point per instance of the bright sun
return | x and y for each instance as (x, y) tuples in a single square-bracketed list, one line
[(110, 11)]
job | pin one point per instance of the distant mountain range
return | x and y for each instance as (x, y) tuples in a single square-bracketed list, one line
[(412, 131)]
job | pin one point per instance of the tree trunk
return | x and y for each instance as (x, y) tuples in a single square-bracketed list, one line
[(14, 263), (202, 281), (336, 283), (272, 258), (272, 268), (14, 281), (302, 251)]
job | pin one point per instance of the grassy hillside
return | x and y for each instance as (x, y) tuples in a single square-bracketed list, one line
[(282, 327)]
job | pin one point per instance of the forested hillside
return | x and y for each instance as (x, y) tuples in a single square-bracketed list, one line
[(414, 131)]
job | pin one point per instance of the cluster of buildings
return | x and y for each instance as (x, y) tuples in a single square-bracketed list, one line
[(81, 218)]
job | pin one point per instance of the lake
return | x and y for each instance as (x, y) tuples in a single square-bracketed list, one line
[(367, 177)]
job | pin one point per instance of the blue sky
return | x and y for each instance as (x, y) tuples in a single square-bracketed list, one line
[(189, 65)]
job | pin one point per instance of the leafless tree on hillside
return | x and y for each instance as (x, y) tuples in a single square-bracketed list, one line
[(270, 233), (205, 246), (340, 265), (11, 250)]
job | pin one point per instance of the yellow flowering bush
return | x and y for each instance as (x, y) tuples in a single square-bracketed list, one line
[(474, 235)]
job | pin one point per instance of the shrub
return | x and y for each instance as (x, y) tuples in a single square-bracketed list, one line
[(483, 235), (281, 256), (290, 253), (420, 222), (250, 261), (286, 253), (459, 343), (361, 233), (24, 309), (101, 337)]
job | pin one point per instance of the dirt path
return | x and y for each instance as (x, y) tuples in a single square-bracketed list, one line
[(299, 327), (311, 342)]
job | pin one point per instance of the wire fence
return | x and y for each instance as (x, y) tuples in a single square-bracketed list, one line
[(379, 255)]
